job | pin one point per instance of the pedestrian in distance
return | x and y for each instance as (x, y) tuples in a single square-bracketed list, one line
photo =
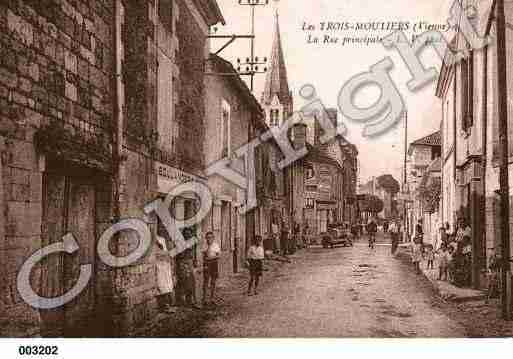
[(450, 263), (210, 267), (394, 235), (443, 237), (419, 232), (416, 254), (355, 231), (305, 235), (443, 262), (385, 227), (430, 256), (372, 228), (256, 257), (493, 277), (185, 273)]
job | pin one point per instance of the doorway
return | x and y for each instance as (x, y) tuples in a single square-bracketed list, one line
[(69, 206)]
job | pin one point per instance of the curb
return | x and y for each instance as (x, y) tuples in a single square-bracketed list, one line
[(452, 297), (446, 293)]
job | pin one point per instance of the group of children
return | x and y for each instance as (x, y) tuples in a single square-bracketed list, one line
[(445, 259), (444, 256)]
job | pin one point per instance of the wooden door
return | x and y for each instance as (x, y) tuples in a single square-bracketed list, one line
[(52, 267), (68, 207), (81, 222)]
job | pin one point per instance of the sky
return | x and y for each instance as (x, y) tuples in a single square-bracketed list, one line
[(329, 66)]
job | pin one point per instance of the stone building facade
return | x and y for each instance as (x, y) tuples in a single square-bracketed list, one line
[(421, 153), (469, 94), (321, 187), (85, 138), (277, 103), (233, 120)]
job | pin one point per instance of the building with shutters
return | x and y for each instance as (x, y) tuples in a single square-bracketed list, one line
[(468, 91), (233, 119)]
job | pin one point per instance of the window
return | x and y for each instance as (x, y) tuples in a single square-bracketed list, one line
[(166, 14), (467, 101), (310, 173), (309, 203), (435, 153), (225, 128)]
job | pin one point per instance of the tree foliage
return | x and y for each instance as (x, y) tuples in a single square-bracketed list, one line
[(372, 204), (389, 183), (430, 195)]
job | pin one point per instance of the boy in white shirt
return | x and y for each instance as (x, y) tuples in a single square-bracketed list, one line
[(256, 260), (210, 267)]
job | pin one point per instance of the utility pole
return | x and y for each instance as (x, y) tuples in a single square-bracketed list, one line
[(504, 154), (252, 62), (405, 212), (251, 66)]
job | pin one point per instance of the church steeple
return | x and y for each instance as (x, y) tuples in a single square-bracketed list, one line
[(276, 82)]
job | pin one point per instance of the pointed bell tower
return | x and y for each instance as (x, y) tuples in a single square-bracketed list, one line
[(276, 98)]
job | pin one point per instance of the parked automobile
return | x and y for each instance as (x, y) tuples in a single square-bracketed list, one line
[(338, 234)]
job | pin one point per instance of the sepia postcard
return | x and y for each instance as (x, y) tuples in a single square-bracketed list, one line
[(255, 169)]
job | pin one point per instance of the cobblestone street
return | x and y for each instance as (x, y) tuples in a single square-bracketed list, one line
[(341, 292)]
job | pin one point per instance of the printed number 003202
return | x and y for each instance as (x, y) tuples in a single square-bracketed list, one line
[(30, 350)]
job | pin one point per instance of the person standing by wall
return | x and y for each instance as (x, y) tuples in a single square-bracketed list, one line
[(185, 266), (275, 233), (210, 267), (372, 229), (443, 239), (164, 275), (394, 235), (284, 238), (256, 260), (419, 232), (305, 235), (416, 255), (296, 232), (443, 262)]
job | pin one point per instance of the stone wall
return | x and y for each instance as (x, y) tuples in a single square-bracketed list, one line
[(54, 73)]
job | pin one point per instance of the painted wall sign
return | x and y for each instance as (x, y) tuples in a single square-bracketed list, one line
[(169, 177)]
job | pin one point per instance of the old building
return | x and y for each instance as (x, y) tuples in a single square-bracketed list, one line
[(100, 101), (430, 188), (330, 178), (468, 89), (421, 153), (322, 191), (57, 125), (277, 103), (232, 121)]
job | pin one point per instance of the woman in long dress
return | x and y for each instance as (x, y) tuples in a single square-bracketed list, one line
[(164, 275), (416, 255)]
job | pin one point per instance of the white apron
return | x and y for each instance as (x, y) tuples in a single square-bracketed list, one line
[(164, 270), (164, 277)]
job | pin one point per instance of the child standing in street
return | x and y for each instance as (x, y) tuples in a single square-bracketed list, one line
[(256, 261), (416, 249)]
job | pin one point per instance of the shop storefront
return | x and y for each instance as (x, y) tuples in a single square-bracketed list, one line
[(182, 207)]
